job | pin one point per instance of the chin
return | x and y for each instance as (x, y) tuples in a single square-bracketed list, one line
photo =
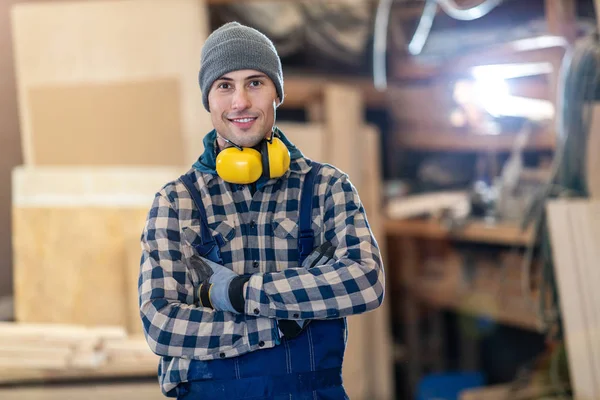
[(247, 139)]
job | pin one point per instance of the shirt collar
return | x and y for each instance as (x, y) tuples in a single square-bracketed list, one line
[(207, 162)]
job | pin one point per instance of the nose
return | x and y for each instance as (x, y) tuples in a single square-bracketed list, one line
[(241, 100)]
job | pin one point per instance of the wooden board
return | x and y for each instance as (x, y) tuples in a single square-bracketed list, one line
[(144, 390), (309, 138), (574, 230), (76, 242), (107, 49), (592, 156), (380, 356), (475, 231), (344, 119), (104, 124)]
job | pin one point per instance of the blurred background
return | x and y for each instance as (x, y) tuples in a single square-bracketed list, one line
[(467, 127)]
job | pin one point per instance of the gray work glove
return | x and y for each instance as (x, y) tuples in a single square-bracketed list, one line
[(222, 288), (319, 256)]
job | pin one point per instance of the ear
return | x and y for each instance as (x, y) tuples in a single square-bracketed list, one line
[(277, 102)]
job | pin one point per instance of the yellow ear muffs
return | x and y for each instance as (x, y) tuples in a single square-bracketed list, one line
[(239, 166), (245, 165)]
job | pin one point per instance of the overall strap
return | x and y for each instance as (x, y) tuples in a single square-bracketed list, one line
[(208, 241), (306, 236)]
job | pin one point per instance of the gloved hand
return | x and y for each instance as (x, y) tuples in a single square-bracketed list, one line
[(319, 256), (222, 290)]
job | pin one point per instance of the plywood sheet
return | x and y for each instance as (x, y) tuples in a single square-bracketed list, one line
[(70, 264), (83, 44), (574, 229), (76, 243), (127, 123)]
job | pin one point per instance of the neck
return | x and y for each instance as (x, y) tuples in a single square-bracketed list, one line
[(223, 143)]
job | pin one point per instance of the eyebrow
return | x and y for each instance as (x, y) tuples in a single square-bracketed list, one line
[(224, 78)]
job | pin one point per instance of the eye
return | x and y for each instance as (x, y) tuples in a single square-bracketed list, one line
[(223, 85), (255, 83)]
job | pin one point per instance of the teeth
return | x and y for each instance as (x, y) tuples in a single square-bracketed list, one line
[(244, 120)]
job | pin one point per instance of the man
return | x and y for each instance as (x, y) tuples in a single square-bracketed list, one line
[(250, 245)]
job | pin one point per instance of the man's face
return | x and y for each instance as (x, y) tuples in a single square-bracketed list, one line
[(242, 107)]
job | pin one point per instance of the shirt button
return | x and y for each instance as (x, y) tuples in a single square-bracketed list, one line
[(255, 264), (261, 344), (222, 355), (256, 311), (252, 224), (296, 315)]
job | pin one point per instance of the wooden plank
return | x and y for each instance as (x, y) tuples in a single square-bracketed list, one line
[(380, 359), (592, 156), (344, 123), (111, 45), (479, 232), (57, 333), (143, 390), (112, 370), (417, 205), (73, 231), (574, 226), (344, 119)]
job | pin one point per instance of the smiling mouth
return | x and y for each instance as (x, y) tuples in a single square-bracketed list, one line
[(243, 120)]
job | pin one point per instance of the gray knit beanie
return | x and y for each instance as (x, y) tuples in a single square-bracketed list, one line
[(234, 47)]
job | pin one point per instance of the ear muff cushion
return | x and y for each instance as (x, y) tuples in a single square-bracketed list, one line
[(279, 158), (239, 166)]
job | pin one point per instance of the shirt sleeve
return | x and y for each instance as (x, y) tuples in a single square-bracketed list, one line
[(173, 325), (353, 284)]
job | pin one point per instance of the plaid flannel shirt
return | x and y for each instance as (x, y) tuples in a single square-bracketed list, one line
[(259, 234)]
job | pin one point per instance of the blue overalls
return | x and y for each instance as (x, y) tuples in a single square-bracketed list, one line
[(308, 367)]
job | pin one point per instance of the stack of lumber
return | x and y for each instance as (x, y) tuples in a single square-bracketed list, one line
[(54, 351)]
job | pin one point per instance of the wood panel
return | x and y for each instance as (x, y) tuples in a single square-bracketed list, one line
[(344, 119), (308, 138), (76, 242), (126, 123), (380, 356), (592, 157), (81, 44), (574, 229)]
